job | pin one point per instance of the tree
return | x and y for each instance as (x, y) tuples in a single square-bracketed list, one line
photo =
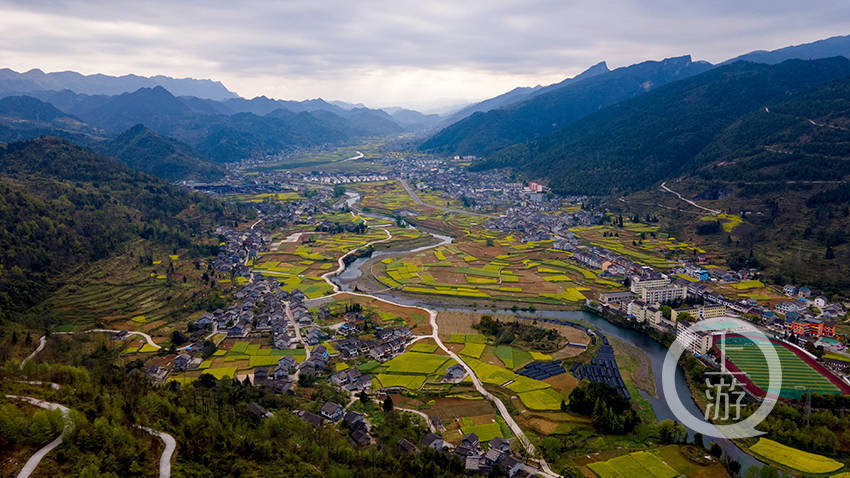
[(715, 450), (339, 190), (670, 431), (698, 440), (364, 397), (552, 447), (388, 404), (830, 254), (177, 338)]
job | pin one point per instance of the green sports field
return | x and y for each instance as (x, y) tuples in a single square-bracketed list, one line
[(797, 375)]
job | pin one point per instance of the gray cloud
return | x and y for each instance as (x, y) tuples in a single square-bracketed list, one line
[(417, 53)]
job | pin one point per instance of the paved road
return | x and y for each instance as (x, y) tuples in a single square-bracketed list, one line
[(42, 341), (53, 385), (165, 458), (357, 156), (421, 414), (297, 330), (34, 460), (446, 209), (712, 211), (145, 336), (503, 411)]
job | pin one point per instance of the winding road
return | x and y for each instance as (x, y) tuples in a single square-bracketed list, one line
[(432, 314), (170, 446), (357, 156), (712, 211), (34, 460), (421, 414), (42, 341), (446, 209)]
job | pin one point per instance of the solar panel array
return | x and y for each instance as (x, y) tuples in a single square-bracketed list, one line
[(542, 370), (603, 368)]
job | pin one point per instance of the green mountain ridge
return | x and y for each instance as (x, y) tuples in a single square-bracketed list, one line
[(545, 113), (660, 135), (167, 158), (62, 206)]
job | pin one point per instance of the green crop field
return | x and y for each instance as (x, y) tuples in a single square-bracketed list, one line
[(637, 464), (415, 363), (797, 375), (423, 348), (525, 384), (543, 399), (411, 382), (748, 284), (512, 357), (467, 338), (473, 350), (540, 356), (222, 372), (794, 458), (485, 432)]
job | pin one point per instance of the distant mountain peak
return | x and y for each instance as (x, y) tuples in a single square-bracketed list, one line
[(100, 84), (828, 47)]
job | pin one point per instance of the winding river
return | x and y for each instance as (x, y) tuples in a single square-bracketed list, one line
[(656, 352)]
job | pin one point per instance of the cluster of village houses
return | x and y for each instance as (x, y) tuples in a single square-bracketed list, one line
[(263, 307), (797, 316), (470, 451)]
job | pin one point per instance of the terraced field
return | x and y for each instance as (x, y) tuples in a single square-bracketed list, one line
[(511, 270), (238, 358)]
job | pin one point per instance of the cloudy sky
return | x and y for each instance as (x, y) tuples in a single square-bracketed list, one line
[(423, 53)]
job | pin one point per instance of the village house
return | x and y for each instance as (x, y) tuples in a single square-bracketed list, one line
[(332, 411), (432, 440), (455, 373)]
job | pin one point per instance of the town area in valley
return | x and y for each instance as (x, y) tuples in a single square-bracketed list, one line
[(461, 299), (639, 270)]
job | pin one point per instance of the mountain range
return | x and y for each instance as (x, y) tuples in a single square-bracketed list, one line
[(182, 133), (557, 106), (184, 127), (665, 132), (37, 80)]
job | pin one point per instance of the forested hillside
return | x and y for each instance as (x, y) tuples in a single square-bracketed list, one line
[(62, 206), (545, 113), (662, 134), (142, 149)]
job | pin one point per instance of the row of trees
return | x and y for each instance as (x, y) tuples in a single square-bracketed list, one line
[(532, 336)]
